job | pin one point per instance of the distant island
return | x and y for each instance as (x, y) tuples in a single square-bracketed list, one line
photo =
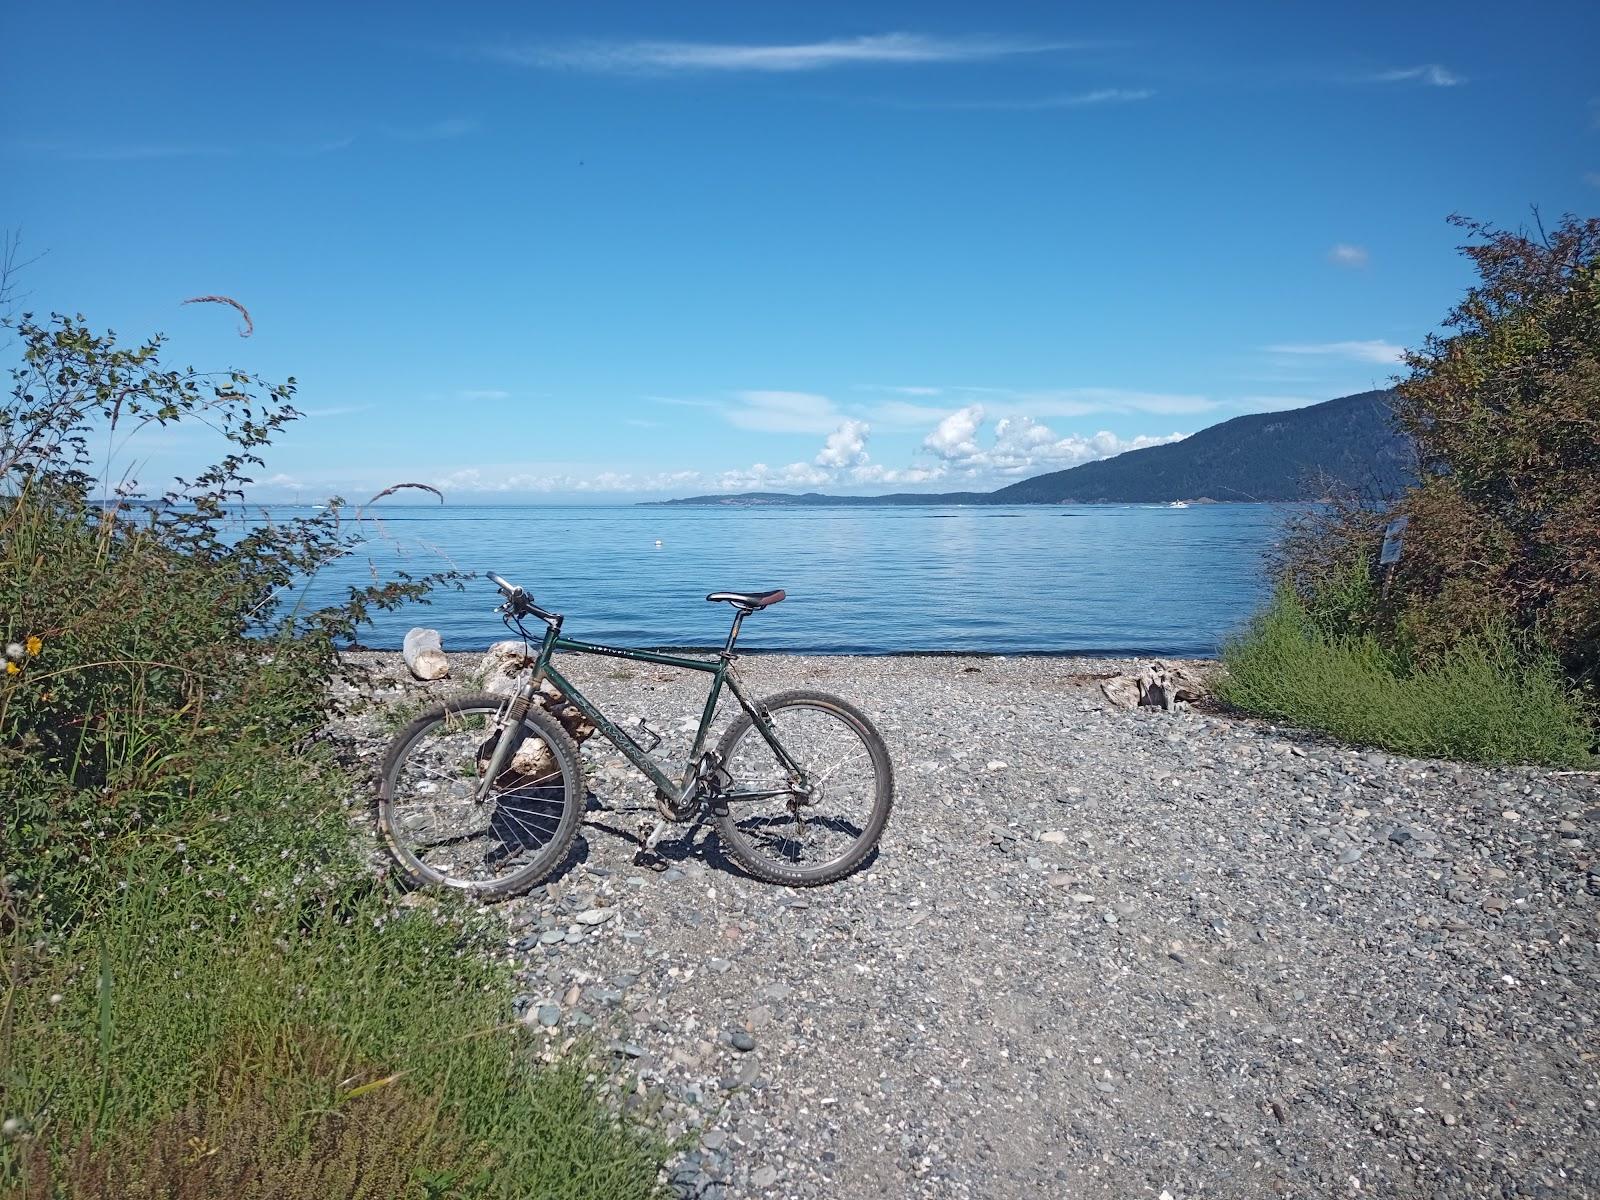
[(1300, 454)]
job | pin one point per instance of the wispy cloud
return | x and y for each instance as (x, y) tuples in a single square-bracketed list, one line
[(1372, 351), (431, 131), (1043, 402), (1343, 254), (1100, 96), (1431, 74), (483, 394), (898, 391), (783, 412), (338, 410), (659, 57)]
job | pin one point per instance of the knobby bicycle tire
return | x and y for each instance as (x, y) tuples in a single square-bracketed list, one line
[(771, 870), (549, 857)]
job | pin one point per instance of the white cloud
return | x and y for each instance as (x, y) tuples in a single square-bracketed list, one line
[(483, 394), (1096, 98), (651, 57), (340, 410), (1038, 402), (1343, 254), (556, 479), (846, 446), (1431, 74), (876, 473), (1023, 445), (1372, 351), (952, 438), (901, 415), (783, 412), (899, 391), (762, 478)]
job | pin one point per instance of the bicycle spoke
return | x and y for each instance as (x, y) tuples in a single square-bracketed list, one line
[(437, 815), (799, 830)]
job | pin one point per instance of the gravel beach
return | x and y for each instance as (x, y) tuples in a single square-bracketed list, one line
[(1101, 953)]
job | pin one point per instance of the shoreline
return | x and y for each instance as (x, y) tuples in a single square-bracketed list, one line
[(1117, 655)]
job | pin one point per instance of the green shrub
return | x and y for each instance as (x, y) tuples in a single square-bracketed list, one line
[(1485, 699), (1502, 407), (206, 992)]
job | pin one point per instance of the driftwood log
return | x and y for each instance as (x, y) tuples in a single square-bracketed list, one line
[(1158, 685), (424, 654), (502, 673)]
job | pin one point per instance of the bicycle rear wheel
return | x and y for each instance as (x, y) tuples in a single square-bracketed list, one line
[(438, 830), (821, 838)]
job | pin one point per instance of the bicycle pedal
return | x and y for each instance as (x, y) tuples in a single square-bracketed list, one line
[(656, 834)]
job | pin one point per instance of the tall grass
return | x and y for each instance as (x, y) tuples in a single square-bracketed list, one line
[(204, 991), (1487, 699)]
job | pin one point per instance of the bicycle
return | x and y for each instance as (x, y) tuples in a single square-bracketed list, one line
[(485, 793)]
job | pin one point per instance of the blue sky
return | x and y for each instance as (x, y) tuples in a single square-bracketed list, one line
[(541, 251)]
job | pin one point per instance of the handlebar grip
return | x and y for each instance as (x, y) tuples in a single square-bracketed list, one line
[(504, 585)]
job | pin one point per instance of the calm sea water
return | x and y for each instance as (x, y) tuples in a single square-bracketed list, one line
[(1035, 579)]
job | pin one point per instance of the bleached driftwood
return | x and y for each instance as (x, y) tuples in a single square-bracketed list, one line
[(1158, 685), (502, 670), (424, 654)]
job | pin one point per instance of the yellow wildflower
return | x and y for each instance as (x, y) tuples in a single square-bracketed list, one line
[(12, 668), (33, 645)]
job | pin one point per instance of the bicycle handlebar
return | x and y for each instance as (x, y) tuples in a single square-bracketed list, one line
[(517, 599)]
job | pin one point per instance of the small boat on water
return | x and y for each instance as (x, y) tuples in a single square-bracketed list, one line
[(1179, 504)]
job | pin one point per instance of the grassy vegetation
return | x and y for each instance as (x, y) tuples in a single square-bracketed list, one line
[(1482, 700), (1484, 643), (204, 991)]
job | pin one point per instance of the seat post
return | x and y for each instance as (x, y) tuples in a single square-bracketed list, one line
[(733, 634)]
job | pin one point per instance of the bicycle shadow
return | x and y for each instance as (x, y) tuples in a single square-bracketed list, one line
[(679, 846)]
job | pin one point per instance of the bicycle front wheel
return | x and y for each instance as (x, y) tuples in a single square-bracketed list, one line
[(805, 840), (443, 833)]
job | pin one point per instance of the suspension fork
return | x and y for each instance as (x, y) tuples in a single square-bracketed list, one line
[(510, 718)]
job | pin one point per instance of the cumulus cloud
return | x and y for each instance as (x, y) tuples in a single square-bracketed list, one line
[(1023, 445), (1370, 351), (846, 446), (952, 438), (1343, 254), (663, 57)]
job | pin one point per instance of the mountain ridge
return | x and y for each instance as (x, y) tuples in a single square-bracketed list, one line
[(1296, 454)]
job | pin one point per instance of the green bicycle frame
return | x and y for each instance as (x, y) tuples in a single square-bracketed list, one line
[(723, 675)]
